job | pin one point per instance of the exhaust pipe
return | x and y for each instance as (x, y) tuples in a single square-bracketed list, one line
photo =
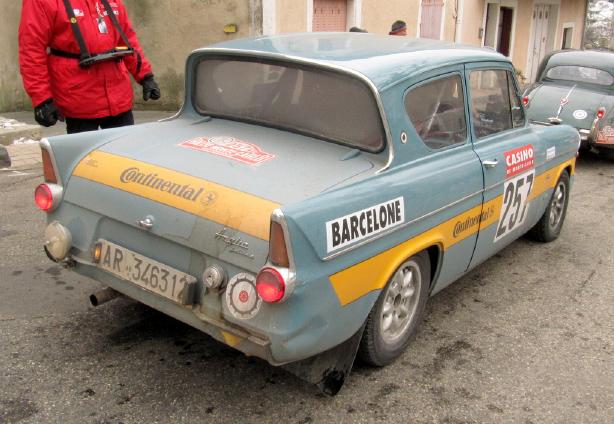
[(103, 296)]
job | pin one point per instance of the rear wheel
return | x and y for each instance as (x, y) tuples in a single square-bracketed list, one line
[(549, 226), (394, 319)]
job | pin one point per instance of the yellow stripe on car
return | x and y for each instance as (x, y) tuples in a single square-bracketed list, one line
[(358, 280), (226, 206)]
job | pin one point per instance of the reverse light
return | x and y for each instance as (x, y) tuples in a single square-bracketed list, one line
[(600, 113), (58, 241), (525, 101), (270, 285), (43, 197)]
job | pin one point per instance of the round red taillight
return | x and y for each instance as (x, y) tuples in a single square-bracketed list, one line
[(43, 197), (525, 100), (600, 113), (270, 285)]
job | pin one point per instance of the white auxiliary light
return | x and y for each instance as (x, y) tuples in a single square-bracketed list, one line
[(58, 240)]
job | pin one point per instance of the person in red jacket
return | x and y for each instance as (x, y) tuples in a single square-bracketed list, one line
[(75, 59)]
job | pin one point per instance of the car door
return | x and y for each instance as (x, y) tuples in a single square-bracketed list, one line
[(508, 152), (447, 179)]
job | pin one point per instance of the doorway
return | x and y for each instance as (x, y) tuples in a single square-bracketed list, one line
[(329, 15), (498, 28), (543, 32)]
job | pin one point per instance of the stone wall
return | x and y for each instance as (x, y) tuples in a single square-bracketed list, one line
[(167, 30)]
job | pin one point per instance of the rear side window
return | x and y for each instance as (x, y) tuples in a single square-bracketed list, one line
[(312, 101), (580, 74), (436, 109), (490, 102)]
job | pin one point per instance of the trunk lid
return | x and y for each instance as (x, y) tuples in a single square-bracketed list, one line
[(210, 185), (579, 105)]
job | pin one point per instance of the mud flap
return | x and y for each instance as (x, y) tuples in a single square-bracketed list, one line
[(328, 370)]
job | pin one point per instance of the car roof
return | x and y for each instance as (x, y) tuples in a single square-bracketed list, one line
[(590, 58), (384, 60)]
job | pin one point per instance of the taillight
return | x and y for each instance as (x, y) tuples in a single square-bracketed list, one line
[(600, 112), (270, 285), (43, 197), (525, 101), (277, 246), (48, 171)]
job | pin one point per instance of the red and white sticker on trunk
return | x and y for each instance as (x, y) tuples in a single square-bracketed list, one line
[(519, 160), (606, 135), (229, 147)]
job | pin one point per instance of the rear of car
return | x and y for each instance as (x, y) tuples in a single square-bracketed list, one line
[(188, 215), (575, 88)]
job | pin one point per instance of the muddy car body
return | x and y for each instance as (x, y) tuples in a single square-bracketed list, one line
[(312, 193), (576, 88)]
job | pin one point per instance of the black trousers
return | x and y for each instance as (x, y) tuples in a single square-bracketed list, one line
[(77, 125)]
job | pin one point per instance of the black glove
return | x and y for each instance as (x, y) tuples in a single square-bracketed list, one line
[(47, 113), (150, 88)]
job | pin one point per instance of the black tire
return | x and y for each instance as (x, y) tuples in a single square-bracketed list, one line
[(549, 225), (607, 153), (380, 347)]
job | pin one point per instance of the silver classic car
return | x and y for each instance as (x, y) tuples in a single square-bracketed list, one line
[(576, 88), (311, 194)]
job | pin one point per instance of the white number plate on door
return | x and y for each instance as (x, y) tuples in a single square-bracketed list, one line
[(147, 273), (515, 203)]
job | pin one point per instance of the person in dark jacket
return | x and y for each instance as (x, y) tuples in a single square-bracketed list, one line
[(63, 80)]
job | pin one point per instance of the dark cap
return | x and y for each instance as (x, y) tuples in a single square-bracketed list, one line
[(356, 29), (398, 26)]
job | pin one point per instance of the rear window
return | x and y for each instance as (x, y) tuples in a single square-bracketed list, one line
[(580, 74), (314, 102)]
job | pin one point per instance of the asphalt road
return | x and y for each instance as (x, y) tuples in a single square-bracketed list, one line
[(527, 337)]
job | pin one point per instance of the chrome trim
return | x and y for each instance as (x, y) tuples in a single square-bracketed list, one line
[(399, 227), (321, 64), (289, 274), (547, 124), (44, 144), (56, 195), (563, 103)]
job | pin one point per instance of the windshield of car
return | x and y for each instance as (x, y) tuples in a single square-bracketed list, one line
[(580, 74), (316, 102)]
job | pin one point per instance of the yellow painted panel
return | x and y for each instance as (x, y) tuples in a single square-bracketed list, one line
[(230, 339), (226, 206), (373, 274)]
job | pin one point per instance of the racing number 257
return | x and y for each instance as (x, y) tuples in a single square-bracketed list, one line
[(515, 195)]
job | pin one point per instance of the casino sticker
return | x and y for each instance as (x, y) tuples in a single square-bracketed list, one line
[(241, 297), (580, 114)]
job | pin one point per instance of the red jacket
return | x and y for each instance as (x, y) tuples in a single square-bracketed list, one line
[(99, 91)]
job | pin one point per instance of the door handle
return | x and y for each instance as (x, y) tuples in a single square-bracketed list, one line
[(490, 163)]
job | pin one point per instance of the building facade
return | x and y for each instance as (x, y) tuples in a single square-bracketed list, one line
[(523, 30)]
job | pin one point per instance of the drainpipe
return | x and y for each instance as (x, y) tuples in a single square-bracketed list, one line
[(459, 17)]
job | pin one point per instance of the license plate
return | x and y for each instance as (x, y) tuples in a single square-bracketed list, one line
[(147, 273)]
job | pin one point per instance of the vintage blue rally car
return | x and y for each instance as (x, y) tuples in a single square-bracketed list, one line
[(576, 88), (311, 194)]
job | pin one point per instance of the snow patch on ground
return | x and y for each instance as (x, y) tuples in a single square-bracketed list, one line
[(24, 140), (7, 124)]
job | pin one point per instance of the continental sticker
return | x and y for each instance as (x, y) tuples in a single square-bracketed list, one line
[(229, 147), (519, 160), (364, 224), (606, 135), (469, 224)]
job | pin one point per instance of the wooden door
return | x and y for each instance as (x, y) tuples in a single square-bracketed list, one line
[(329, 15)]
